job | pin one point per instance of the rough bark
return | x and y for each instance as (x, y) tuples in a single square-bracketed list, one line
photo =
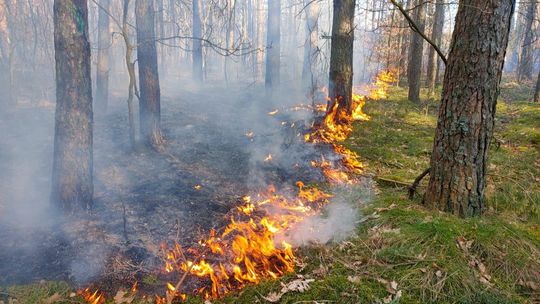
[(197, 43), (341, 59), (311, 49), (526, 59), (273, 45), (467, 110), (72, 185), (102, 70), (436, 37), (416, 47), (149, 102)]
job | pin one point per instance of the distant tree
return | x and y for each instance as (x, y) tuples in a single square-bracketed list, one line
[(341, 59), (259, 57), (273, 44), (436, 37), (526, 58), (197, 43), (416, 52), (104, 45), (72, 184), (149, 101), (467, 109), (311, 49)]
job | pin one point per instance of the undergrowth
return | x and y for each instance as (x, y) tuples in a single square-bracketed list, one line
[(403, 252)]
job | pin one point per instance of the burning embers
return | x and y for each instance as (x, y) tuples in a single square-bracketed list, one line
[(246, 250)]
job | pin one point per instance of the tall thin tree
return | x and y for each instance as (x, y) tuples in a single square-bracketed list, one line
[(467, 110), (436, 37), (197, 42), (104, 45), (273, 44), (150, 98), (72, 176), (526, 58), (416, 49)]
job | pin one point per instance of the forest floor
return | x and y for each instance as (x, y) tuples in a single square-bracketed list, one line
[(403, 252)]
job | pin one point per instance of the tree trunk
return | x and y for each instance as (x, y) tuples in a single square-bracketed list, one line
[(526, 60), (341, 59), (260, 41), (311, 49), (149, 102), (414, 68), (467, 110), (536, 97), (405, 41), (72, 185), (104, 45), (197, 43), (436, 36), (273, 45), (229, 36)]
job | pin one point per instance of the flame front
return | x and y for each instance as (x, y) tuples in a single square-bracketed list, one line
[(246, 251)]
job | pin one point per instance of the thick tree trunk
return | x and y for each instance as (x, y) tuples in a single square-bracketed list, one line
[(341, 59), (436, 37), (526, 60), (149, 102), (197, 43), (467, 110), (416, 50), (311, 49), (536, 97), (104, 44), (72, 185), (273, 45)]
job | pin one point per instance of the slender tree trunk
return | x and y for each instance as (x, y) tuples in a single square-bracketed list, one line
[(229, 39), (132, 86), (416, 50), (526, 60), (260, 41), (149, 102), (197, 43), (405, 41), (536, 97), (436, 37), (311, 49), (467, 110), (273, 45), (72, 185), (104, 45), (341, 60)]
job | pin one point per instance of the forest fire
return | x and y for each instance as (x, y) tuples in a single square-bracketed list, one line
[(248, 250), (92, 297), (245, 251)]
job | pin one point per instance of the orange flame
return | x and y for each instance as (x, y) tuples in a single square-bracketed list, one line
[(90, 297)]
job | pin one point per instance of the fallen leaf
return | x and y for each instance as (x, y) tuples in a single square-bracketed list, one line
[(121, 298), (354, 279), (53, 299)]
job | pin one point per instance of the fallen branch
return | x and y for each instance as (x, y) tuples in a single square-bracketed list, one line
[(412, 188)]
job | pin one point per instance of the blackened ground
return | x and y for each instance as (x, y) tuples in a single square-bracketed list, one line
[(143, 197)]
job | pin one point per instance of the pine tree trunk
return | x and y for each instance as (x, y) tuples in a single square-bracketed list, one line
[(436, 36), (149, 103), (467, 110), (311, 51), (273, 44), (72, 184), (197, 43), (526, 60), (416, 50), (104, 44), (405, 42), (341, 59)]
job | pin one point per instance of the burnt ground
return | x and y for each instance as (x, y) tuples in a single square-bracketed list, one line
[(143, 197)]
